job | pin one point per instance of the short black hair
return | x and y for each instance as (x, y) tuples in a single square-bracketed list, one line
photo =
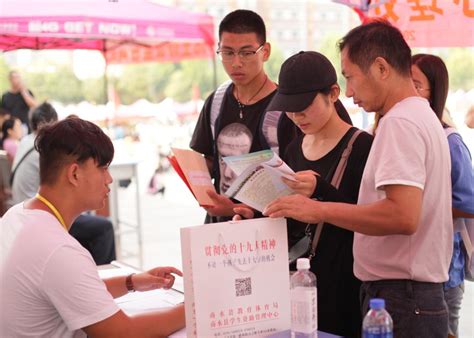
[(243, 21), (378, 38), (44, 113), (435, 70), (71, 139), (6, 126)]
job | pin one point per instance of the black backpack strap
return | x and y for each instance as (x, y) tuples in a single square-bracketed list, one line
[(12, 175)]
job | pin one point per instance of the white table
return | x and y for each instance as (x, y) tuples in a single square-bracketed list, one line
[(121, 170)]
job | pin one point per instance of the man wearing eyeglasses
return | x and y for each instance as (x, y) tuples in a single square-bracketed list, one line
[(243, 50)]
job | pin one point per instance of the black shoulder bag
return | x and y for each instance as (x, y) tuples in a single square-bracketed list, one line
[(305, 246)]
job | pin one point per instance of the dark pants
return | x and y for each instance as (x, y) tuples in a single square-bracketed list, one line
[(418, 309), (96, 234), (453, 297)]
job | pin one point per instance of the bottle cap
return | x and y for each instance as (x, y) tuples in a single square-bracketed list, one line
[(302, 263), (377, 303)]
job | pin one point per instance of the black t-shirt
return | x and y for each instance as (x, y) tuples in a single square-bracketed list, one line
[(338, 288), (235, 135), (16, 105)]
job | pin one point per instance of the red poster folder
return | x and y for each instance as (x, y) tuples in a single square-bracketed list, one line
[(192, 168)]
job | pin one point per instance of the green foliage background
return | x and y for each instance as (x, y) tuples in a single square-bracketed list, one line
[(156, 81)]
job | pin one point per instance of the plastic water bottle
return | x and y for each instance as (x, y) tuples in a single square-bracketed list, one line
[(304, 309), (377, 322)]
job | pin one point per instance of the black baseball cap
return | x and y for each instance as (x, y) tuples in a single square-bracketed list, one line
[(301, 77)]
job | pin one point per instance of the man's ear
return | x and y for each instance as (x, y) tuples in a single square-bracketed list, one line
[(267, 50), (381, 68), (73, 174)]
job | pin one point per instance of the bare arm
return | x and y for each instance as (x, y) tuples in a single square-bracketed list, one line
[(457, 213), (157, 278), (398, 213), (151, 324), (116, 286), (223, 206), (30, 100)]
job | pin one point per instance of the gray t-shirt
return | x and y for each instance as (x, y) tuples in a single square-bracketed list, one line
[(410, 149), (26, 181)]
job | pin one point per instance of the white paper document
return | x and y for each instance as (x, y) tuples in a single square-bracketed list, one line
[(139, 302), (259, 179)]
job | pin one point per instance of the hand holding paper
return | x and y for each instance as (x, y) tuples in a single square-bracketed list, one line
[(222, 205), (304, 182), (260, 178), (243, 212)]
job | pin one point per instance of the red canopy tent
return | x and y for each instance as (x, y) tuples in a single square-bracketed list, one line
[(424, 23), (124, 30)]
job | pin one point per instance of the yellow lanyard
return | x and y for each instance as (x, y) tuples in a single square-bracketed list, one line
[(53, 209)]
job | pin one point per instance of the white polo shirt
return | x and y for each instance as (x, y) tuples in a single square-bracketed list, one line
[(49, 283), (410, 148)]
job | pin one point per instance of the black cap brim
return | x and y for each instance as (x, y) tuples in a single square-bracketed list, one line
[(293, 103)]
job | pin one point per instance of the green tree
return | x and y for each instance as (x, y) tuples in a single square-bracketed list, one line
[(273, 65), (93, 90), (4, 69), (460, 64), (146, 81), (191, 74), (60, 84), (328, 48)]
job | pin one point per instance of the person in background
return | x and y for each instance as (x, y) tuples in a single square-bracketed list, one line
[(243, 50), (4, 115), (19, 99), (11, 136), (50, 286), (469, 119), (430, 77), (95, 233), (402, 221)]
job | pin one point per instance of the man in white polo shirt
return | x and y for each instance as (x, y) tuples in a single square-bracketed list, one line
[(49, 285), (403, 221)]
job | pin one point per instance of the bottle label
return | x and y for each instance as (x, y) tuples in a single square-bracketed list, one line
[(304, 311), (378, 333)]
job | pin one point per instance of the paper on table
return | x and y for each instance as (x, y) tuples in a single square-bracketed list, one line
[(192, 168), (179, 334), (140, 302), (261, 181)]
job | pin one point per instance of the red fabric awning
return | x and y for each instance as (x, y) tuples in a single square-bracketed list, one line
[(124, 30), (424, 23)]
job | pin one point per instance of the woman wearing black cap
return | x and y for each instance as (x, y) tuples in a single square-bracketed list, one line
[(308, 92)]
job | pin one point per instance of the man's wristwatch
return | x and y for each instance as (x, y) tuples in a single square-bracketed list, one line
[(129, 283)]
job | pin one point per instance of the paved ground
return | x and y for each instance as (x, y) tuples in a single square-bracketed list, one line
[(163, 216)]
